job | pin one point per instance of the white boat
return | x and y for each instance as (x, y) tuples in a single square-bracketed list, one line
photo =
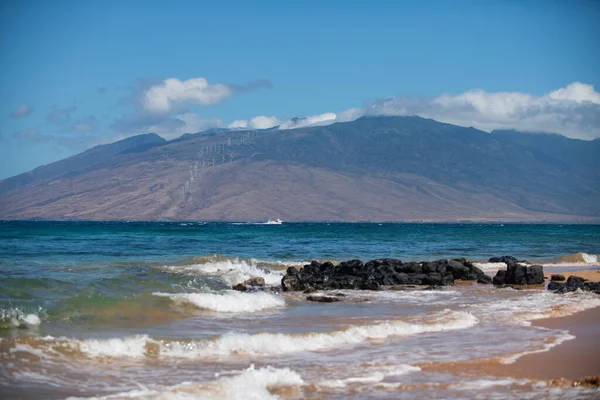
[(274, 222)]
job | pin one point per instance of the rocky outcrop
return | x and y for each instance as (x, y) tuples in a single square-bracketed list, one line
[(574, 283), (518, 274), (249, 284), (557, 277), (507, 260), (323, 299), (355, 274)]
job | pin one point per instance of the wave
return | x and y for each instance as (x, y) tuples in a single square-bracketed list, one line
[(372, 374), (15, 317), (489, 266), (228, 302), (536, 305), (230, 270), (252, 383), (260, 344), (577, 259)]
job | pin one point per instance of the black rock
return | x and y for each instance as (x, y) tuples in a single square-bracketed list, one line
[(412, 268), (535, 274), (429, 267), (475, 270), (486, 279), (554, 286), (368, 285), (458, 269), (500, 277), (504, 259), (433, 279), (574, 283), (292, 283), (448, 280), (592, 286), (323, 299), (372, 275), (516, 274), (557, 277)]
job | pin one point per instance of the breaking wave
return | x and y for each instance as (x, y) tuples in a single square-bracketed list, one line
[(260, 344), (228, 302), (371, 374), (536, 305), (577, 259), (230, 270), (252, 383), (15, 317)]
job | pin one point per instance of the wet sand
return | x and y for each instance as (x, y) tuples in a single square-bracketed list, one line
[(572, 359), (592, 275)]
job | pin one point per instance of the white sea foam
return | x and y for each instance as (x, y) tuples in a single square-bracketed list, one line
[(260, 344), (481, 384), (490, 266), (589, 258), (536, 305), (372, 374), (562, 337), (230, 301), (251, 383), (231, 271), (407, 296), (132, 347), (265, 344), (16, 318)]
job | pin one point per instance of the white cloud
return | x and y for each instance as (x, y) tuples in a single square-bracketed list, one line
[(183, 123), (350, 115), (263, 122), (577, 92), (163, 97), (312, 120), (260, 122), (573, 111), (22, 110)]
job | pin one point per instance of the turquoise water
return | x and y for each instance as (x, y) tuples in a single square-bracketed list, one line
[(66, 243), (154, 301)]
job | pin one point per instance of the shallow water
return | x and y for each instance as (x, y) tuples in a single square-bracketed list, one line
[(145, 310)]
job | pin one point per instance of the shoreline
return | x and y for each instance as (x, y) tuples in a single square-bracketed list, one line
[(588, 274), (572, 359)]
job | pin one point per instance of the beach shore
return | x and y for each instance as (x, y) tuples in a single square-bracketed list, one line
[(572, 359), (592, 275)]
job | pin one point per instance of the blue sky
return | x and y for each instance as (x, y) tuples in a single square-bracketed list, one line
[(76, 73)]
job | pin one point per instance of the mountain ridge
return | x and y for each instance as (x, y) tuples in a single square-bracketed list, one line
[(373, 168)]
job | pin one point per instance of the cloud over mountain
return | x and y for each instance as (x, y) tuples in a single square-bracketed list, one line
[(573, 111)]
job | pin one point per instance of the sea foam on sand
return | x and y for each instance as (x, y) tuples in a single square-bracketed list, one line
[(251, 383)]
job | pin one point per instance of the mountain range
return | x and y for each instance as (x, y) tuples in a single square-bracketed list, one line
[(370, 169)]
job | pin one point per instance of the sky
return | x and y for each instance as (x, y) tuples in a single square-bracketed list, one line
[(75, 74)]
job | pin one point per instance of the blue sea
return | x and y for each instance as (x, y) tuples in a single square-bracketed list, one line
[(145, 310)]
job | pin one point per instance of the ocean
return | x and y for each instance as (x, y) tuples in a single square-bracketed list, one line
[(123, 310)]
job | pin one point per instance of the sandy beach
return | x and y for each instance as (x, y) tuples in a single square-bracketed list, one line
[(572, 359), (592, 275)]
